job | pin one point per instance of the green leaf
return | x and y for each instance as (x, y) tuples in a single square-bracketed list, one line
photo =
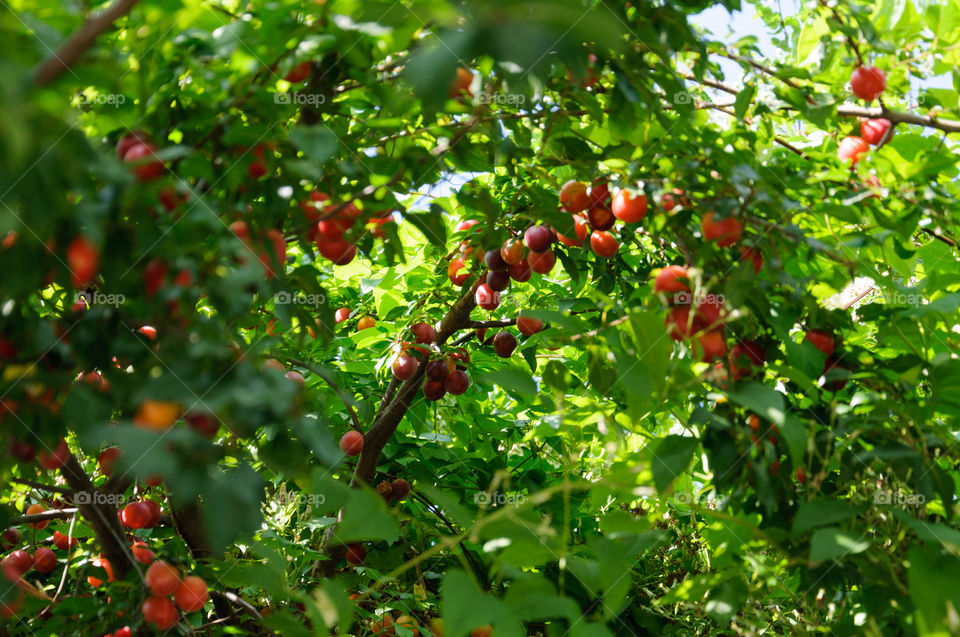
[(317, 143), (430, 224), (671, 457), (764, 401), (932, 579), (820, 513), (832, 543)]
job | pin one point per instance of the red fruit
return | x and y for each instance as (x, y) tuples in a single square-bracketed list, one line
[(240, 230), (851, 148), (542, 262), (574, 197), (873, 130), (599, 193), (256, 170), (424, 333), (399, 489), (667, 202), (456, 382), (298, 73), (487, 298), (457, 271), (351, 443), (603, 244), (183, 278), (529, 326), (629, 208), (192, 594), (710, 312), (671, 279), (203, 422), (494, 261), (405, 366), (439, 370), (538, 238), (149, 331), (822, 340), (130, 140), (100, 562), (17, 563), (170, 199), (355, 554), (712, 345), (679, 325), (504, 343), (160, 612), (153, 481), (801, 476), (434, 389), (154, 513), (296, 377), (744, 356), (600, 218), (12, 537), (521, 272), (332, 228), (341, 315), (311, 208), (63, 542), (580, 231), (460, 357), (752, 254), (44, 560), (498, 280), (512, 252), (868, 82), (338, 251), (162, 578), (83, 261), (461, 84), (154, 275), (142, 553), (365, 323), (144, 170), (106, 460), (57, 459), (136, 515), (123, 632), (724, 231)]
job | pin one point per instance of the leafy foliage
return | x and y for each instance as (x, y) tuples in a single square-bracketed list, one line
[(604, 479)]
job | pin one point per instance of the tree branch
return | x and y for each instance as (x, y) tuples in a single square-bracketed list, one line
[(78, 43), (389, 418), (42, 487), (46, 516), (102, 517), (897, 117)]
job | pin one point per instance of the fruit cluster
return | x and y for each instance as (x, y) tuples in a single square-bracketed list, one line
[(867, 83)]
